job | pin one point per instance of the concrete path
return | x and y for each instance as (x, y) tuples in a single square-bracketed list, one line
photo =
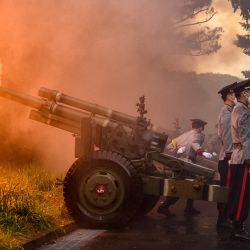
[(156, 232), (74, 240)]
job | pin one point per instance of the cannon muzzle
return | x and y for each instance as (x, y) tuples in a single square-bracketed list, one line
[(21, 98)]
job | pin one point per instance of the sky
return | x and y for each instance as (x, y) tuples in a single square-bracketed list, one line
[(229, 59)]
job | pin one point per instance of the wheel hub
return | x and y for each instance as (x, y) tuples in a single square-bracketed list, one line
[(101, 189)]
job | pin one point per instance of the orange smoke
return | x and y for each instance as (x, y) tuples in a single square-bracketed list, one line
[(107, 52)]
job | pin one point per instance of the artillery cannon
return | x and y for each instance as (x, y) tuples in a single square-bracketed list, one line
[(114, 178)]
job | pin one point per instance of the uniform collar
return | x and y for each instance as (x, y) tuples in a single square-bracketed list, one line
[(242, 104)]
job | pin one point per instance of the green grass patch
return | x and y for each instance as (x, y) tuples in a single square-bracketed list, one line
[(30, 204)]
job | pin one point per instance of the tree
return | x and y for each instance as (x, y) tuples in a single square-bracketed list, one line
[(246, 73), (243, 41), (201, 41)]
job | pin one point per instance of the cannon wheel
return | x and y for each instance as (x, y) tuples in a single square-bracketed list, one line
[(148, 203), (103, 190)]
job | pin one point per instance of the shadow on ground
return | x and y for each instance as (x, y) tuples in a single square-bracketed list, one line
[(154, 231)]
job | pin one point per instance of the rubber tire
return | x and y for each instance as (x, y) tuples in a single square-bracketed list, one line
[(148, 203), (131, 180)]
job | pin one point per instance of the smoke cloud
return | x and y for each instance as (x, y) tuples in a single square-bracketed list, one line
[(107, 52)]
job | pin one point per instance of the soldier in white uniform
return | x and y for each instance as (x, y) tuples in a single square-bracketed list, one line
[(224, 133), (239, 192), (188, 145)]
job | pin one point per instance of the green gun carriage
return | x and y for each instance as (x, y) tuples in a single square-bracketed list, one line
[(114, 178)]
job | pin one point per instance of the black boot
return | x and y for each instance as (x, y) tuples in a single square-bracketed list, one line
[(164, 208), (239, 233), (190, 210), (223, 222), (223, 226), (166, 212)]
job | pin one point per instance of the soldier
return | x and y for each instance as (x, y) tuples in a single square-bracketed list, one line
[(239, 192), (224, 133), (188, 145)]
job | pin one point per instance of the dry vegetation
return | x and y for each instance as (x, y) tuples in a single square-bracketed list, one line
[(31, 203)]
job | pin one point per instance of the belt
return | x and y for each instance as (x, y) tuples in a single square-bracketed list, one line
[(238, 145)]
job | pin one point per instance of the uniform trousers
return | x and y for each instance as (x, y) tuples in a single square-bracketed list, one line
[(225, 180), (239, 193)]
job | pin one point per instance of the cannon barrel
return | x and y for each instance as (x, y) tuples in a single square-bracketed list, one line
[(95, 109), (86, 106), (50, 106), (45, 106), (21, 98), (51, 113)]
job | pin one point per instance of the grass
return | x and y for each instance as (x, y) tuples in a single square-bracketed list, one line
[(31, 204)]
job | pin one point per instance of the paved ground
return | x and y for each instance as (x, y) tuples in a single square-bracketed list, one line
[(155, 232), (73, 241)]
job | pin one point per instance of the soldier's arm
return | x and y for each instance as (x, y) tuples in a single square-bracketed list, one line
[(244, 129), (225, 131), (197, 142)]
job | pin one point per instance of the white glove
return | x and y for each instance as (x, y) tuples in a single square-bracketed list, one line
[(207, 155), (214, 154), (181, 150)]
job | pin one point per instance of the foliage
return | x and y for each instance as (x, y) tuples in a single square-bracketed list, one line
[(243, 41), (243, 6), (246, 73), (30, 203), (201, 40)]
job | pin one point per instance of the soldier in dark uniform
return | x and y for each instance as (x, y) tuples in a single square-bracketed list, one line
[(239, 192), (224, 133), (188, 145)]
